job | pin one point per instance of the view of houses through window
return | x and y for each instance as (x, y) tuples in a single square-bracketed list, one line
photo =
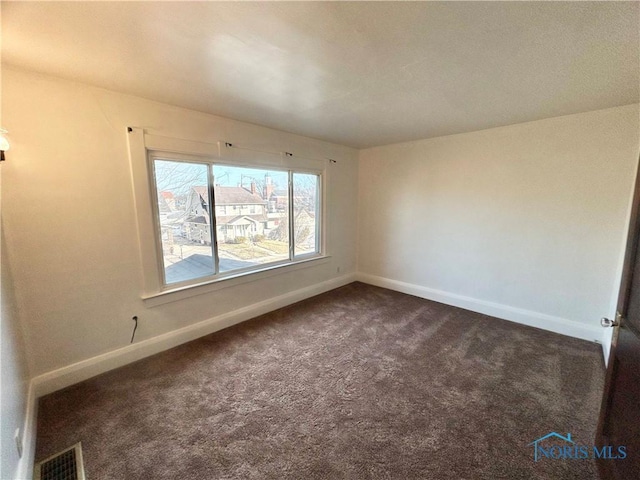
[(251, 211)]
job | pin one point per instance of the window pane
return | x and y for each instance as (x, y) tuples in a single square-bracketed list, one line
[(305, 212), (185, 226), (252, 220)]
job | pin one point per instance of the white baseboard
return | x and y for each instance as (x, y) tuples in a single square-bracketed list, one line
[(63, 377), (71, 374), (25, 465), (559, 325)]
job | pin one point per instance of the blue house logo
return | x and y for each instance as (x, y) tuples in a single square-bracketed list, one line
[(538, 448), (560, 447)]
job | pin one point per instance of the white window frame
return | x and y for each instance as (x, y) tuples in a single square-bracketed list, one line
[(143, 148)]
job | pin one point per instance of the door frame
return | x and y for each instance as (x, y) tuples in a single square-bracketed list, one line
[(633, 237)]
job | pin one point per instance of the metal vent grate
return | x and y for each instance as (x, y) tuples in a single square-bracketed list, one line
[(65, 465)]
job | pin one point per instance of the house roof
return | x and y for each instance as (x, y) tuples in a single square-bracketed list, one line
[(197, 219), (163, 206), (232, 195), (303, 212), (234, 219), (202, 191)]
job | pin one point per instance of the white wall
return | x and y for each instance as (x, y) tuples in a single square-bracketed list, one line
[(524, 222), (70, 220), (14, 375)]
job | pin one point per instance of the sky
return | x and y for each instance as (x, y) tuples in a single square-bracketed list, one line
[(179, 177)]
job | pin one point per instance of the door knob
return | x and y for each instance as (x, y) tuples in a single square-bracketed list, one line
[(606, 322)]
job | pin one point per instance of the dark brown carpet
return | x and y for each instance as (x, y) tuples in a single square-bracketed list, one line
[(357, 383)]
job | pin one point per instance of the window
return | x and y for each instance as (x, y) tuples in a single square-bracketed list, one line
[(211, 215), (274, 217), (305, 212)]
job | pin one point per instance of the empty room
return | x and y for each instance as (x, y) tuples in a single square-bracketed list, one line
[(320, 240)]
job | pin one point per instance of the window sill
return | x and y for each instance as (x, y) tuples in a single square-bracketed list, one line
[(176, 294)]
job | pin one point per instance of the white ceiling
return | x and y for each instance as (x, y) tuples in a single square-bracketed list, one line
[(355, 73)]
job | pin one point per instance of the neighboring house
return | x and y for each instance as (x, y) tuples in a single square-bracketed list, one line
[(166, 202), (240, 212), (279, 200), (170, 218), (305, 226)]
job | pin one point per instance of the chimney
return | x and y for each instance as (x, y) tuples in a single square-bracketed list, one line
[(268, 187), (253, 187)]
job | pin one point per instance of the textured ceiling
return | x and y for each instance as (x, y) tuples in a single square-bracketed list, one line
[(355, 73)]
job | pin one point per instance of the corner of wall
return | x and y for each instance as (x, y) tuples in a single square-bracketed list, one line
[(25, 465), (71, 374), (530, 318)]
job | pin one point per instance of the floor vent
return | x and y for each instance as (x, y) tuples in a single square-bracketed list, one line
[(65, 465)]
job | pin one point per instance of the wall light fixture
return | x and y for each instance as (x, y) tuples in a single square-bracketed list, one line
[(4, 143)]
